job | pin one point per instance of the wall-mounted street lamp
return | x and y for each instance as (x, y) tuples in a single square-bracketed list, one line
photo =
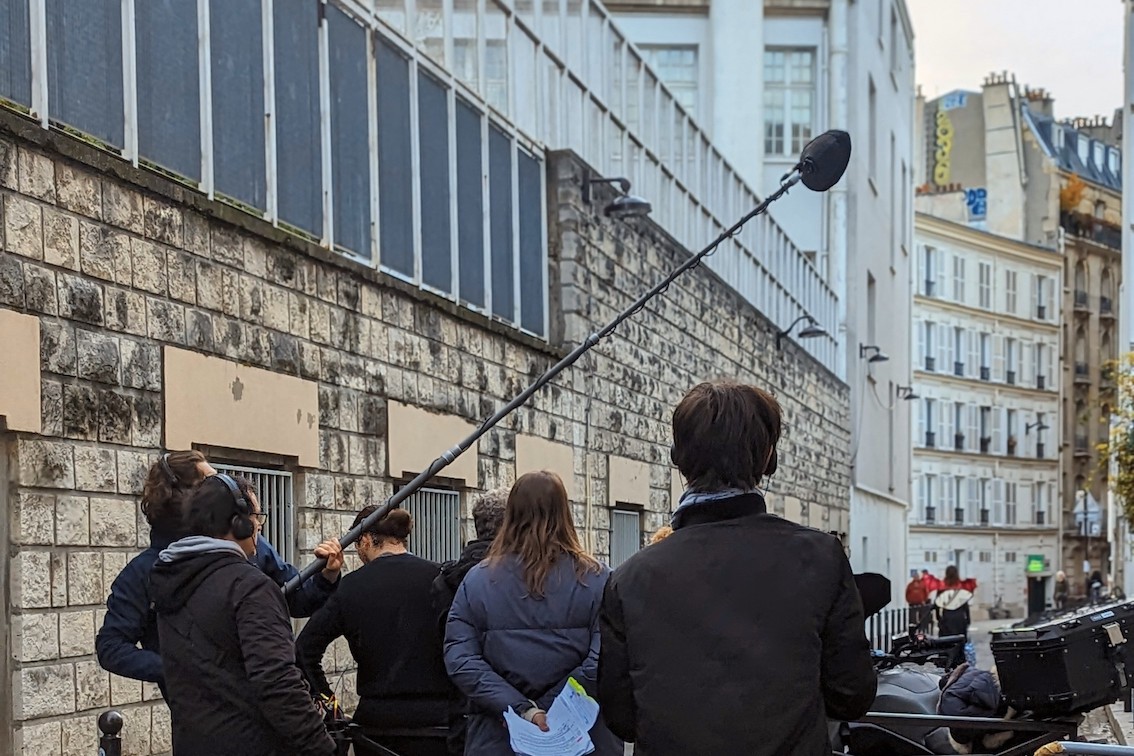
[(877, 356), (907, 393), (624, 206), (1039, 425), (809, 331)]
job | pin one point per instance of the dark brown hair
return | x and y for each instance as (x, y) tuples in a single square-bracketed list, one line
[(395, 526), (538, 529), (952, 576), (210, 506), (725, 435), (167, 486)]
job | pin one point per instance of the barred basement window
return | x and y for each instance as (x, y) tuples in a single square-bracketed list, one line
[(625, 535), (275, 489), (436, 533)]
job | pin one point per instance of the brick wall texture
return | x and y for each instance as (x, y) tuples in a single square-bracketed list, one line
[(118, 263)]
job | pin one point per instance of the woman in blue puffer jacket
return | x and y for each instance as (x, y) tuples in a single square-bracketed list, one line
[(525, 620)]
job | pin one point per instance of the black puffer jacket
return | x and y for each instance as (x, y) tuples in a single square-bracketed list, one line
[(735, 636), (229, 657)]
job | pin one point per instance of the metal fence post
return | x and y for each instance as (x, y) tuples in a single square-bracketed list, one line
[(109, 725)]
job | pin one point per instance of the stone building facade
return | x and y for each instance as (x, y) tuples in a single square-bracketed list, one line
[(136, 315)]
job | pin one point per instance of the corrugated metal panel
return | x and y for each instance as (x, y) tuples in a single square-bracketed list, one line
[(169, 100), (15, 51), (433, 141), (470, 204), (531, 243), (299, 157), (625, 535), (236, 34), (395, 160), (84, 67), (350, 132), (436, 533), (275, 491), (500, 211)]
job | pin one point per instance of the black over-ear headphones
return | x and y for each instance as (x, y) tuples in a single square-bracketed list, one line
[(242, 524), (165, 468)]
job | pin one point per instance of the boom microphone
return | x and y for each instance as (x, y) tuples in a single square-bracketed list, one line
[(821, 165)]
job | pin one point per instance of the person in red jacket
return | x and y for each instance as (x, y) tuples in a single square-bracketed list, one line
[(917, 597)]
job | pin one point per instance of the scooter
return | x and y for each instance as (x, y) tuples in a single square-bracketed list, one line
[(904, 721)]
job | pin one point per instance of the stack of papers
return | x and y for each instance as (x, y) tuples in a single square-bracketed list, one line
[(569, 721)]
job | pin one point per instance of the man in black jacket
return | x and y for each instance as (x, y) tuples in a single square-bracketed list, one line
[(226, 643), (741, 632)]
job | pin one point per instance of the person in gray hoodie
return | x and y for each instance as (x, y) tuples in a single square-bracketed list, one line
[(227, 649)]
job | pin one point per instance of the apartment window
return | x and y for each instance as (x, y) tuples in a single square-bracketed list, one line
[(931, 556), (1041, 494), (1041, 425), (928, 344), (1112, 161), (1041, 360), (873, 135), (905, 191), (985, 430), (625, 534), (928, 495), (436, 534), (985, 357), (985, 272), (1009, 503), (932, 270), (1010, 303), (927, 423), (1009, 556), (960, 348), (1011, 360), (1098, 155), (1042, 296), (958, 426), (677, 67), (1083, 144), (789, 100), (274, 489), (1011, 427), (958, 278)]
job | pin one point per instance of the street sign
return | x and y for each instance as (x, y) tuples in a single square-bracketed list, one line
[(1036, 563)]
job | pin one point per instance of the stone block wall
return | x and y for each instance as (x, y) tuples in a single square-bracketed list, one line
[(119, 264)]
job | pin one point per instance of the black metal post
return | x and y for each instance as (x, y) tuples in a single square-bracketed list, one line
[(449, 456), (109, 725)]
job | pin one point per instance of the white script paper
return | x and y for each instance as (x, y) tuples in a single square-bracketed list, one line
[(571, 715)]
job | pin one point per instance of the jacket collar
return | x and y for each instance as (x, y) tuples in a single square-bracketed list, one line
[(733, 508), (161, 540)]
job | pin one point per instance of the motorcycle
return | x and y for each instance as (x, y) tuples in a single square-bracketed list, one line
[(904, 720)]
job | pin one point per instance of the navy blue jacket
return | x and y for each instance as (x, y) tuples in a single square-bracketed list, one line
[(130, 618), (503, 647)]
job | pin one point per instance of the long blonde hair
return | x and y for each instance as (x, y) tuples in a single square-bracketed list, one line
[(538, 529)]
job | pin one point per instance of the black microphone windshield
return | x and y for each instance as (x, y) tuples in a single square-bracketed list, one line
[(824, 160)]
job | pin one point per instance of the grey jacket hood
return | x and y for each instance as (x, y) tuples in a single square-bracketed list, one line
[(191, 546)]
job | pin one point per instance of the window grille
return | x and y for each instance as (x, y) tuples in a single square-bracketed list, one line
[(436, 533), (275, 489), (625, 535)]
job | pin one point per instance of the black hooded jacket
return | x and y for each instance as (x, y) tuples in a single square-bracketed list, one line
[(445, 585), (735, 636), (229, 657)]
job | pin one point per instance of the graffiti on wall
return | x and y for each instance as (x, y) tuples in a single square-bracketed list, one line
[(943, 140), (977, 201)]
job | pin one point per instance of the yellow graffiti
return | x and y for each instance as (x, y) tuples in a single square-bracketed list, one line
[(941, 166)]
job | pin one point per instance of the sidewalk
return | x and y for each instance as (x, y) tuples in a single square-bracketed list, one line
[(1121, 723)]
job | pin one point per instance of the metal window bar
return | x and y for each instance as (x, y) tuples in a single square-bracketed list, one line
[(275, 489), (436, 533), (625, 535)]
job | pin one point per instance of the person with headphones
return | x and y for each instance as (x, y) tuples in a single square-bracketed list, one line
[(127, 642), (756, 615), (227, 648)]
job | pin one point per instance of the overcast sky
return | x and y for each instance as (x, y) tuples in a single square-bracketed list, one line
[(1071, 49)]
